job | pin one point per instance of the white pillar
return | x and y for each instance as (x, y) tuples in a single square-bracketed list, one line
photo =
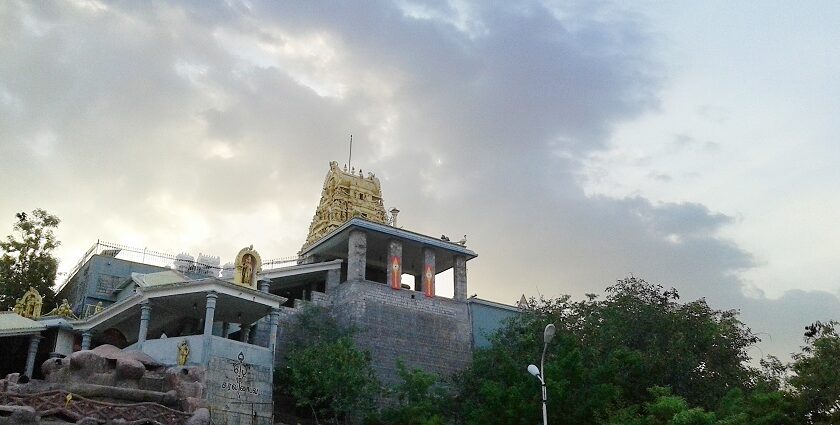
[(33, 351), (356, 255), (272, 336), (145, 315), (86, 335), (244, 332), (209, 313)]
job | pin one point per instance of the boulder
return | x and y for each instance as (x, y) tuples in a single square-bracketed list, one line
[(129, 369), (51, 366), (21, 415), (200, 417), (88, 362)]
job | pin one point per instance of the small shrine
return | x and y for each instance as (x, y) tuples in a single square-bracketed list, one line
[(248, 264)]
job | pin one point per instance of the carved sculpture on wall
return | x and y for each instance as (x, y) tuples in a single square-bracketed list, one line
[(248, 264), (29, 305)]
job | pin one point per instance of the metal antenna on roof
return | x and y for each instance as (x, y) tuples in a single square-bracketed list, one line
[(350, 159)]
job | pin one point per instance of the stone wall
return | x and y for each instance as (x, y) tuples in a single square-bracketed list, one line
[(433, 334)]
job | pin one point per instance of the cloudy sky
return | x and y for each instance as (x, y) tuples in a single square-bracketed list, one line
[(575, 143)]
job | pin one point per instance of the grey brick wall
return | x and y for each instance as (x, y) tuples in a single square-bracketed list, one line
[(433, 334)]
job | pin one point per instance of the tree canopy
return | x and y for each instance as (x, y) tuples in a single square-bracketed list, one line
[(27, 259), (637, 356)]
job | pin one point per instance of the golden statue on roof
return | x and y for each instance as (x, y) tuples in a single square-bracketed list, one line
[(345, 195), (63, 310), (29, 305)]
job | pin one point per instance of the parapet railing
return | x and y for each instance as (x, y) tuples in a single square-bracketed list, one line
[(163, 259)]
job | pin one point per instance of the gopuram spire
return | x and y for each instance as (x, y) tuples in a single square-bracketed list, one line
[(346, 194)]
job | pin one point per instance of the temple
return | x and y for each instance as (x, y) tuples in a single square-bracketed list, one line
[(210, 336)]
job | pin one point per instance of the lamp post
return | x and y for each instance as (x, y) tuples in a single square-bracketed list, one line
[(548, 335)]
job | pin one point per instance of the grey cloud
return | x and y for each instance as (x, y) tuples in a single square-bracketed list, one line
[(683, 142), (134, 138)]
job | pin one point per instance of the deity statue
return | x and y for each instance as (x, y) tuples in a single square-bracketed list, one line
[(247, 270), (19, 307), (183, 352), (248, 265), (63, 310), (29, 305)]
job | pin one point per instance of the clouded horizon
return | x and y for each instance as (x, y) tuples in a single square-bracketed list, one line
[(574, 143)]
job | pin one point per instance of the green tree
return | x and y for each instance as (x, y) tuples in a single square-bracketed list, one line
[(665, 409), (421, 399), (606, 356), (816, 382), (324, 371), (28, 260), (335, 380)]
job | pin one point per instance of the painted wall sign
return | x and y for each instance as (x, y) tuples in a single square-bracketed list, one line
[(396, 271), (429, 281)]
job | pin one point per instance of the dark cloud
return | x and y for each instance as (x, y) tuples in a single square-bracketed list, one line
[(208, 127)]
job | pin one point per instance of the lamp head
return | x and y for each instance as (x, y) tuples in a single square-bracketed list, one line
[(534, 370), (549, 332)]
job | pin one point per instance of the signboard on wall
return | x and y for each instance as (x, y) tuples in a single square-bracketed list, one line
[(239, 392)]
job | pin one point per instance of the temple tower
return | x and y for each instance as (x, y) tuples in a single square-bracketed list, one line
[(346, 194)]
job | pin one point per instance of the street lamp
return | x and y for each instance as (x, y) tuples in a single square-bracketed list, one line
[(548, 335)]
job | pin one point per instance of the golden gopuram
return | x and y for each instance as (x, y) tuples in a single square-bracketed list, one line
[(346, 194)]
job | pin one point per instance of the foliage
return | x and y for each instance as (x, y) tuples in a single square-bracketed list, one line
[(817, 375), (334, 379), (324, 371), (665, 409), (420, 399), (27, 259), (606, 356)]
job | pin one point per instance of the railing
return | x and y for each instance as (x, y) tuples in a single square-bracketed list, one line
[(163, 259), (280, 262)]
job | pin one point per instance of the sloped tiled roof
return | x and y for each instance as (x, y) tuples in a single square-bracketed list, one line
[(160, 278), (12, 324)]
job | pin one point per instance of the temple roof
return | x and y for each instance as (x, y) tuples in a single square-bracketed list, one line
[(13, 324), (334, 244)]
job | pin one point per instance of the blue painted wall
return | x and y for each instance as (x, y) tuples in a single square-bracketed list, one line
[(486, 319), (98, 279)]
